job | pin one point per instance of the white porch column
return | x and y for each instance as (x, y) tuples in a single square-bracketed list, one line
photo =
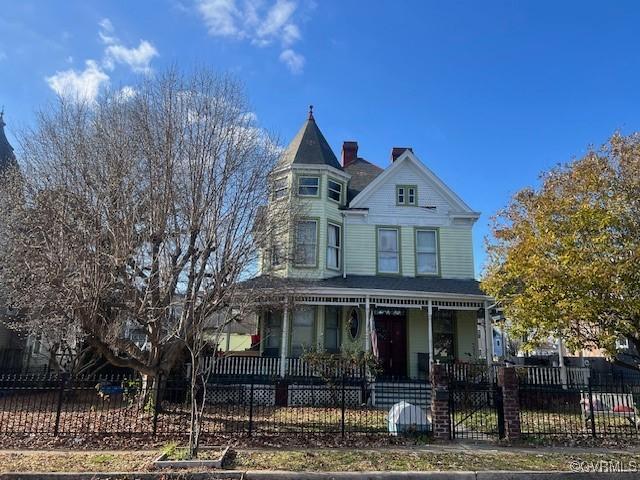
[(488, 334), (563, 368), (284, 344), (367, 326), (430, 330)]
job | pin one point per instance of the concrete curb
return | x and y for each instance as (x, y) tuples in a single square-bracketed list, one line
[(277, 475)]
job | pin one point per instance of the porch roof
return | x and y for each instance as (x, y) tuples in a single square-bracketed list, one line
[(451, 286)]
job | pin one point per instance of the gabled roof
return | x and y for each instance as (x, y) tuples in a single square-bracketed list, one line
[(7, 157), (408, 156), (362, 174), (309, 147)]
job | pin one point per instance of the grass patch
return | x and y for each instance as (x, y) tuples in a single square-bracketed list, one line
[(359, 461), (75, 462)]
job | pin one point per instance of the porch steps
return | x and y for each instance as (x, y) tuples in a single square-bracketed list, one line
[(387, 394)]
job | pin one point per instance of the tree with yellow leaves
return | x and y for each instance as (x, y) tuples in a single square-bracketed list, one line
[(564, 260)]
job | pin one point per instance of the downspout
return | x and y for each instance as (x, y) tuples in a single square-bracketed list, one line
[(344, 245)]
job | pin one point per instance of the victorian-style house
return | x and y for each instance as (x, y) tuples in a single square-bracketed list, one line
[(381, 260)]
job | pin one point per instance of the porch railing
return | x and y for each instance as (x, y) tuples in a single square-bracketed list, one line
[(242, 365), (537, 375), (235, 366), (297, 367)]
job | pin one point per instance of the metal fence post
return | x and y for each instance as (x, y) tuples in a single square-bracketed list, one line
[(343, 408), (251, 407), (591, 412), (63, 381), (156, 402)]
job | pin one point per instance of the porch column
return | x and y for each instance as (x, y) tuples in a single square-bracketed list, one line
[(563, 367), (430, 330), (367, 325), (488, 334), (284, 344)]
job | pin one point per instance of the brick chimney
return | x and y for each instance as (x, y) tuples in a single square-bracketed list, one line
[(349, 153), (397, 151)]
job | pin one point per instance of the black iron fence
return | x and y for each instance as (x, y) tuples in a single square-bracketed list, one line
[(61, 405), (598, 409)]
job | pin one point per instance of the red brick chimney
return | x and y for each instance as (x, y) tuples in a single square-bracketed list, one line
[(349, 153), (397, 151)]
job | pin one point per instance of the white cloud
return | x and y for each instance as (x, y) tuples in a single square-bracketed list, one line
[(294, 61), (85, 85), (137, 58), (79, 85), (261, 22), (125, 93)]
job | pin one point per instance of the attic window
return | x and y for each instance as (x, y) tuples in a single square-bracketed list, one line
[(308, 186), (406, 195)]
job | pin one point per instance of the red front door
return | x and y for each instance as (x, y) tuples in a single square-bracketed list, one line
[(391, 331)]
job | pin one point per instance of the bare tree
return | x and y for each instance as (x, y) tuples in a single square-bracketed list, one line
[(138, 217)]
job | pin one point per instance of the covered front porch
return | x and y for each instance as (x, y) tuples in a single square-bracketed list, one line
[(406, 330)]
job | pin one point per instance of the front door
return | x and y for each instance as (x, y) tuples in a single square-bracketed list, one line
[(391, 330)]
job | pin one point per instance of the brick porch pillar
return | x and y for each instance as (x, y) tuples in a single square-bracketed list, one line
[(508, 380), (440, 416)]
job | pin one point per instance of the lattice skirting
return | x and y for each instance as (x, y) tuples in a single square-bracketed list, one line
[(324, 396), (241, 394)]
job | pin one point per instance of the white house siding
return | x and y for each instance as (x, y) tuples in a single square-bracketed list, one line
[(383, 200), (456, 252)]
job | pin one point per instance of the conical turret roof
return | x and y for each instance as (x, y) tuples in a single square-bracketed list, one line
[(7, 157), (309, 147)]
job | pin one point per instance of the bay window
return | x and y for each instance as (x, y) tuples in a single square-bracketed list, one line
[(306, 243), (302, 330), (333, 246)]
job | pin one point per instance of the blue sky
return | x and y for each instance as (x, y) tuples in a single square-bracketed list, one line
[(488, 94)]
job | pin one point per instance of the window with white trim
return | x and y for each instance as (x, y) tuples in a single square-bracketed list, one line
[(308, 186), (302, 330), (333, 246), (334, 190), (401, 195), (406, 195), (280, 188), (388, 250), (426, 252), (306, 243)]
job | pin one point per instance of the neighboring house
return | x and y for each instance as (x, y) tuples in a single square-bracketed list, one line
[(378, 256), (16, 353)]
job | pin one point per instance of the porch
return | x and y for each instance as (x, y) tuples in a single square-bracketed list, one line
[(406, 330)]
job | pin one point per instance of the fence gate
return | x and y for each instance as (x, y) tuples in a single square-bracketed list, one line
[(476, 411)]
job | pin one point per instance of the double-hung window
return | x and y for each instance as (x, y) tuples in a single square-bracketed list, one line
[(280, 187), (388, 250), (334, 190), (333, 246), (308, 186), (426, 252), (302, 330), (306, 243), (406, 195), (332, 329)]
